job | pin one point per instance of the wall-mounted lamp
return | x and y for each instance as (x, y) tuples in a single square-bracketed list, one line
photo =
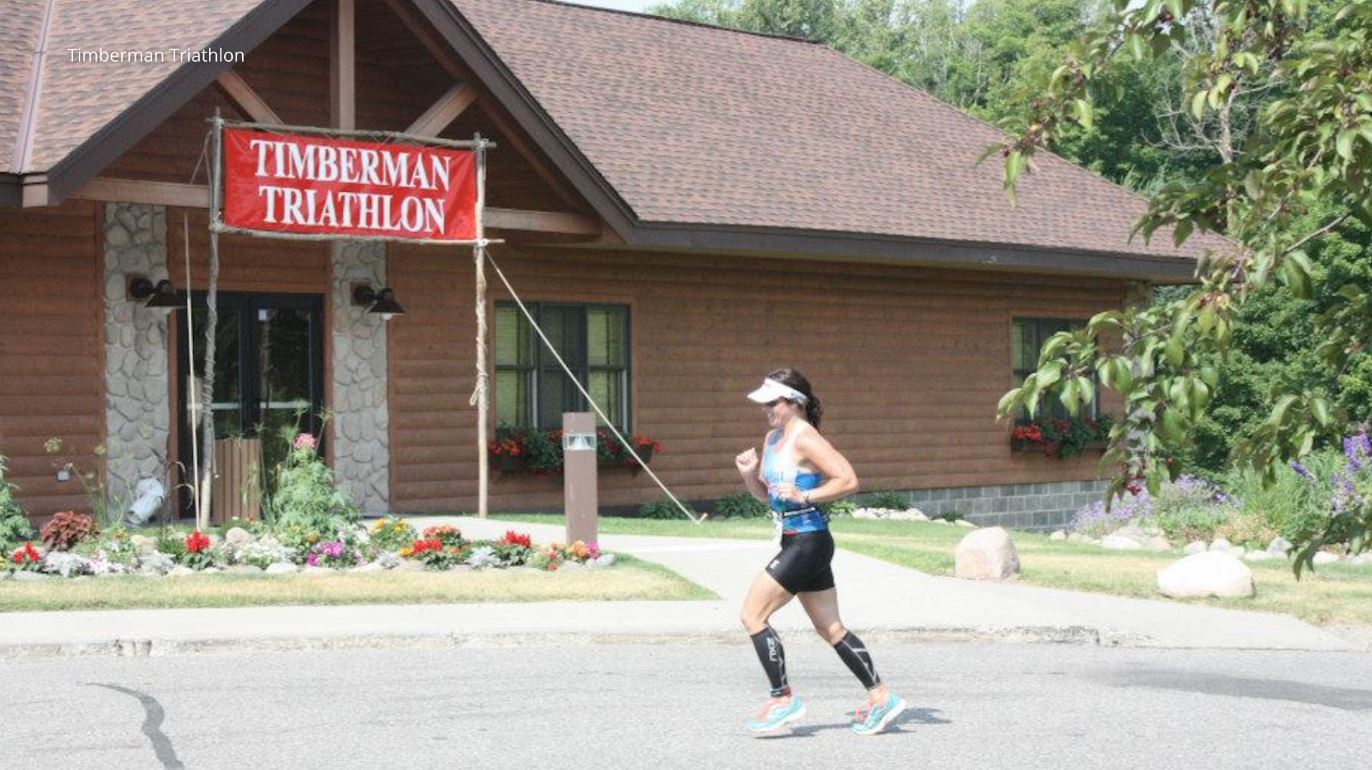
[(380, 302), (154, 296)]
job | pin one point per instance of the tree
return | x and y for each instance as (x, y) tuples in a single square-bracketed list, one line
[(1301, 174)]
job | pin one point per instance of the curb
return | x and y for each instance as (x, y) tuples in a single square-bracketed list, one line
[(155, 647)]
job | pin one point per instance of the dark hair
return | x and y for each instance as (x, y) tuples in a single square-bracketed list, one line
[(794, 379)]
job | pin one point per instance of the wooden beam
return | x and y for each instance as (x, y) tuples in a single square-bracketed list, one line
[(101, 188), (541, 222), (244, 98), (343, 64), (444, 111), (198, 197)]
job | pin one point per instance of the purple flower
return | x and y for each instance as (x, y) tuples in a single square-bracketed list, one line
[(313, 560), (1302, 470)]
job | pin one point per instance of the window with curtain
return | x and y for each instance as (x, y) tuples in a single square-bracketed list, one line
[(1027, 336), (533, 391)]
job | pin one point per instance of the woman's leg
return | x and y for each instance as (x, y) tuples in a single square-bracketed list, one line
[(765, 597), (822, 607)]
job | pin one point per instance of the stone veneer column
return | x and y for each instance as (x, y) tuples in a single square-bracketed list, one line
[(137, 406), (360, 410)]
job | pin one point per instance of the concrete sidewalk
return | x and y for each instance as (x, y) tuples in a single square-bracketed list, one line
[(877, 599)]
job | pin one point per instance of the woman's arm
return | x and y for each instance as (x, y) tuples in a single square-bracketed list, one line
[(751, 471), (839, 478)]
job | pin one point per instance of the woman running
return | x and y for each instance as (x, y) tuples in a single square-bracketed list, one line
[(799, 470)]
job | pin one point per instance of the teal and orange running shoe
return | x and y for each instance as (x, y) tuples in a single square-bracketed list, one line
[(870, 720), (775, 714)]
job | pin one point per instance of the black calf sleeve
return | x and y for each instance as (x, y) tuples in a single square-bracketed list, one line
[(773, 657), (859, 661)]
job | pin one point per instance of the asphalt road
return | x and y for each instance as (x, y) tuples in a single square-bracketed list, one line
[(679, 705)]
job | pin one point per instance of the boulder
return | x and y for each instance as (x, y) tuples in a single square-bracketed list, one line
[(1195, 546), (281, 568), (237, 536), (1221, 545), (1212, 573), (1118, 542), (1158, 543), (570, 566), (143, 545), (1059, 535), (1325, 557), (1279, 546), (987, 554), (25, 575)]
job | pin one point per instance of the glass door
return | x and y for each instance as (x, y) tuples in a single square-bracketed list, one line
[(268, 370)]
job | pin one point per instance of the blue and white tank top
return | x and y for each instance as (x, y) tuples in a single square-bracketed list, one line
[(779, 466)]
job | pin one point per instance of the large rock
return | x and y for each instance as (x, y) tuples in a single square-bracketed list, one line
[(143, 545), (1195, 546), (987, 554), (1279, 546), (1211, 573), (1221, 545), (1261, 556), (237, 536), (910, 514), (1058, 535), (1158, 543), (1117, 542)]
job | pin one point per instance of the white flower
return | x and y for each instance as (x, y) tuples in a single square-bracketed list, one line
[(483, 557)]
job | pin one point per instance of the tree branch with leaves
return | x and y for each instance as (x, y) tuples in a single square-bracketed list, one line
[(1310, 147)]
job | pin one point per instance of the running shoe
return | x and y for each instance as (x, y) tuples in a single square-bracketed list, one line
[(872, 719), (775, 714)]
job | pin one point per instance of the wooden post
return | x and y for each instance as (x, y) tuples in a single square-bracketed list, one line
[(483, 459), (343, 64), (581, 498)]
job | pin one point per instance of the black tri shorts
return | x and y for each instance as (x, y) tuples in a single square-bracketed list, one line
[(803, 562)]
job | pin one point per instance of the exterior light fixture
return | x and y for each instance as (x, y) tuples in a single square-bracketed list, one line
[(380, 302), (158, 296)]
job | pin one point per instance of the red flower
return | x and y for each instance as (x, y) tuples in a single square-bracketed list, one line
[(514, 538), (197, 541)]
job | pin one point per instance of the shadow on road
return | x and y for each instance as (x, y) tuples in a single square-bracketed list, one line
[(1345, 698), (153, 715)]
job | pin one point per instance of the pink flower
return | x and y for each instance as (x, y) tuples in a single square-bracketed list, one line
[(305, 441)]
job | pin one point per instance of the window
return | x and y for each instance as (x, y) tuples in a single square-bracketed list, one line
[(1027, 336), (533, 391)]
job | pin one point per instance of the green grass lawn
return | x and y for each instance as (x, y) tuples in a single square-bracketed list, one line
[(628, 579), (1333, 595)]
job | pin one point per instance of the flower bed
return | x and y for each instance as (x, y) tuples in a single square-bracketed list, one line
[(540, 452), (260, 549), (1061, 438)]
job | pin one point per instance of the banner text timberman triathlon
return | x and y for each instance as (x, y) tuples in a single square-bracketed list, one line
[(315, 185)]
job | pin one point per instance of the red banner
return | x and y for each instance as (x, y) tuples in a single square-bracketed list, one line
[(291, 183)]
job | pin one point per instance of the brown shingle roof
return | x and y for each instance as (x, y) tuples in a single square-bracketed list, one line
[(687, 124), (696, 124), (79, 98)]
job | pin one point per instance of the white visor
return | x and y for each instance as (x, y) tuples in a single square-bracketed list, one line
[(772, 390)]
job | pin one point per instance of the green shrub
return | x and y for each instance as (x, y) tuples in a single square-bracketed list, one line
[(661, 508), (15, 529), (893, 501), (306, 495), (740, 506), (840, 507), (1293, 503)]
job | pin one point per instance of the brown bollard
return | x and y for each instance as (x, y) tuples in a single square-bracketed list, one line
[(579, 476)]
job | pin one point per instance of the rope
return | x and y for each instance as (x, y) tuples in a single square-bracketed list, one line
[(577, 382)]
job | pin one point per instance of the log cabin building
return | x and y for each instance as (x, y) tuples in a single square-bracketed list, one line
[(686, 206)]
